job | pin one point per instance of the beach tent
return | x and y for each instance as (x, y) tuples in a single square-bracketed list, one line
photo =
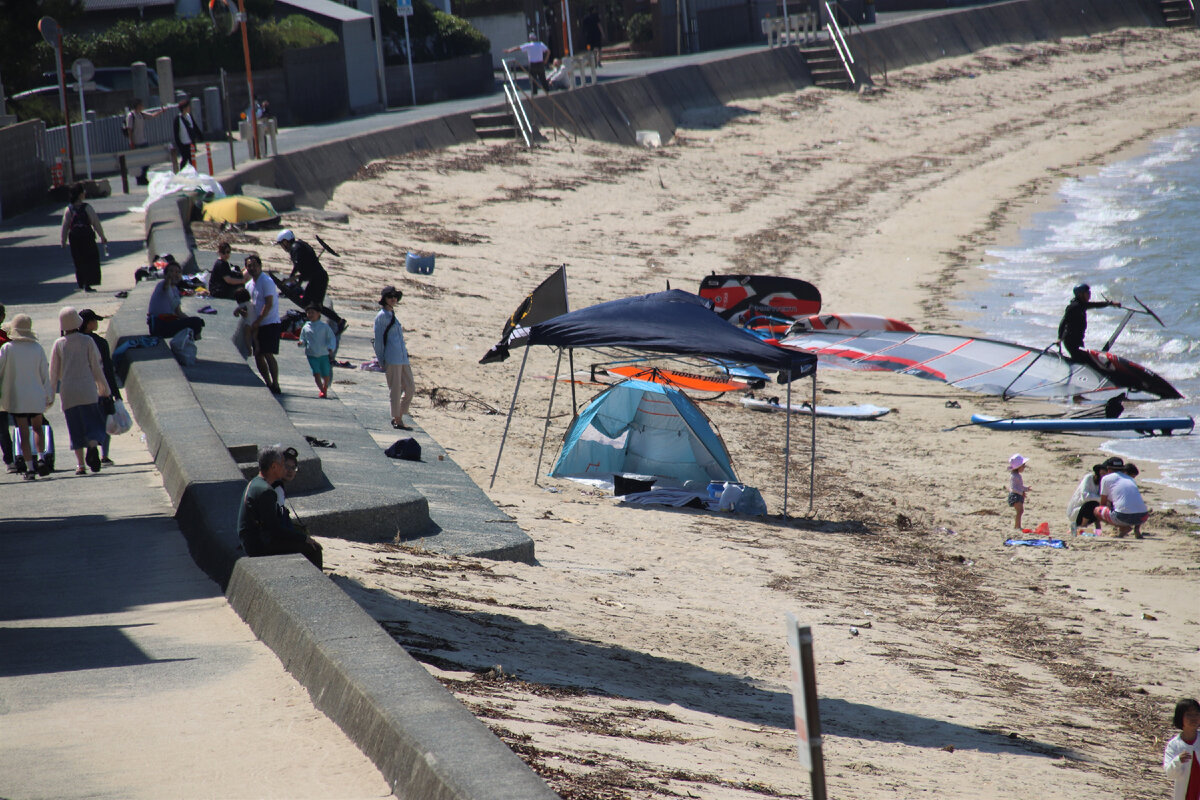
[(643, 429), (676, 323), (240, 210)]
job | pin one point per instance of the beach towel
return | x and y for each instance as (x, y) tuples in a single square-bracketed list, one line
[(1058, 544)]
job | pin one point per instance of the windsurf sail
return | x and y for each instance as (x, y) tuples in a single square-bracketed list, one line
[(680, 380), (740, 297), (547, 301), (983, 365)]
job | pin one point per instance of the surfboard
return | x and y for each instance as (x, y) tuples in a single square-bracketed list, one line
[(1145, 425), (680, 380), (842, 412), (850, 322)]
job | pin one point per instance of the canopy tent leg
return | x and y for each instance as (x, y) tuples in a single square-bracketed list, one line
[(512, 406), (546, 423), (571, 365), (812, 458), (787, 447)]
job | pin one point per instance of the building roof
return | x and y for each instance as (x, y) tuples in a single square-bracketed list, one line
[(324, 8)]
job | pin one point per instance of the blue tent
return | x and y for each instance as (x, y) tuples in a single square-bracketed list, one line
[(647, 430)]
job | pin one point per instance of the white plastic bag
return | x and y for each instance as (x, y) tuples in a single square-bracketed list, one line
[(183, 345), (119, 421)]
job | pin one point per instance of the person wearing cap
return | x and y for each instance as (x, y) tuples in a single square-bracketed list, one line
[(265, 327), (264, 526), (1016, 486), (25, 393), (1121, 503), (393, 356), (1073, 325), (306, 266), (91, 321), (538, 54), (78, 376), (164, 316)]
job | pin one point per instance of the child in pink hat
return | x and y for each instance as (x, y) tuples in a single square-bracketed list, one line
[(1016, 486)]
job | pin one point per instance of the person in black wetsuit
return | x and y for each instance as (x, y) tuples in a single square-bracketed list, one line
[(306, 266), (1073, 325)]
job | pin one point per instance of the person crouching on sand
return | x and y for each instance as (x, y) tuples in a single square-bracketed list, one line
[(1179, 758), (1016, 487)]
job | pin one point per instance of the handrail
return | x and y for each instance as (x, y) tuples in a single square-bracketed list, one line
[(839, 43), (551, 121), (513, 96), (867, 41)]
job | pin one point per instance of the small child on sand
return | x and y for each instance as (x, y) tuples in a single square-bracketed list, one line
[(1016, 486), (319, 343), (241, 335), (1179, 759)]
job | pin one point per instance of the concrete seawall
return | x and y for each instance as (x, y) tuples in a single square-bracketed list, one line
[(613, 111)]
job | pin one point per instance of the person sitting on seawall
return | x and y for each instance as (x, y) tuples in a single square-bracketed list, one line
[(165, 316), (1081, 510), (306, 266), (264, 526), (1179, 757), (558, 79), (224, 279), (1121, 503), (1073, 325)]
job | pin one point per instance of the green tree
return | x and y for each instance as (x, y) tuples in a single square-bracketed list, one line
[(21, 61)]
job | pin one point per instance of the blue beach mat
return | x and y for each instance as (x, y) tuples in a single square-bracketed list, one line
[(1055, 543)]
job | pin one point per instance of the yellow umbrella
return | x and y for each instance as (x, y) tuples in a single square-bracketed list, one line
[(240, 210)]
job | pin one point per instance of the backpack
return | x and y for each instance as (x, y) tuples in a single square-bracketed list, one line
[(79, 218), (407, 449)]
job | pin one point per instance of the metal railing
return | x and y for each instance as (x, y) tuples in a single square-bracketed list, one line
[(513, 95), (551, 120), (866, 41), (840, 44)]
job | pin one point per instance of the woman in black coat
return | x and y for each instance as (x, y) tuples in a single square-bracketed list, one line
[(79, 227)]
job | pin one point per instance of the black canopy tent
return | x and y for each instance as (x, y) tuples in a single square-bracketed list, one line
[(677, 323)]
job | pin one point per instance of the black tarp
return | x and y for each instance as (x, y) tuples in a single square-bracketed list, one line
[(674, 322)]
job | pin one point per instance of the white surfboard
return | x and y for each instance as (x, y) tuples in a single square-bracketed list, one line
[(841, 412)]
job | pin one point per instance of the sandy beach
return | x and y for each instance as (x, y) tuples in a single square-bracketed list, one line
[(643, 657)]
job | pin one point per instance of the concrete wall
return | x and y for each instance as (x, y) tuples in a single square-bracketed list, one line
[(465, 76), (502, 30), (24, 168)]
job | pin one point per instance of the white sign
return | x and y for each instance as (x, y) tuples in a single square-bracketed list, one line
[(82, 69), (796, 682), (404, 8)]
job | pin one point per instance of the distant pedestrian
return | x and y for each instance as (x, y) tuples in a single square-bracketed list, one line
[(1016, 487), (91, 321), (538, 55), (1179, 757), (26, 391), (80, 226), (593, 32), (319, 343), (135, 130), (77, 374), (187, 133), (393, 356), (264, 526)]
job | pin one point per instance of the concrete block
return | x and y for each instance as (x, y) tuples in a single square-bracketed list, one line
[(424, 742), (281, 199)]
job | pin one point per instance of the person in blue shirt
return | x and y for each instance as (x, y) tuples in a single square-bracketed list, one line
[(319, 343), (165, 316), (393, 356)]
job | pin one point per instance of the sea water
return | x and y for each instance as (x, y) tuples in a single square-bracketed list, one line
[(1131, 229)]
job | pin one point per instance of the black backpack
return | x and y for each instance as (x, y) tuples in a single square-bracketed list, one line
[(407, 449)]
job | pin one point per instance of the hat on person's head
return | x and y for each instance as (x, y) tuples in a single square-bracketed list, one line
[(88, 315), (533, 37), (387, 291), (285, 235), (22, 329), (69, 319), (1017, 460), (1081, 290), (1116, 462)]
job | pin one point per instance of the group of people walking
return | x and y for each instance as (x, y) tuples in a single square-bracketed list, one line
[(79, 372)]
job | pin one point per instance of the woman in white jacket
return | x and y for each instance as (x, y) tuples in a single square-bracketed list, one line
[(393, 356), (1179, 760), (25, 393)]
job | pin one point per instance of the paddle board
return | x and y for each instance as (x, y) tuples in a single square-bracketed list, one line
[(1145, 425), (842, 412)]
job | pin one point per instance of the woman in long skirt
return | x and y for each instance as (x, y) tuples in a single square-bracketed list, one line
[(77, 372), (80, 226)]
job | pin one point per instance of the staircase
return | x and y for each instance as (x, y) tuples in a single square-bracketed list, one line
[(498, 125), (826, 67), (1177, 13)]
